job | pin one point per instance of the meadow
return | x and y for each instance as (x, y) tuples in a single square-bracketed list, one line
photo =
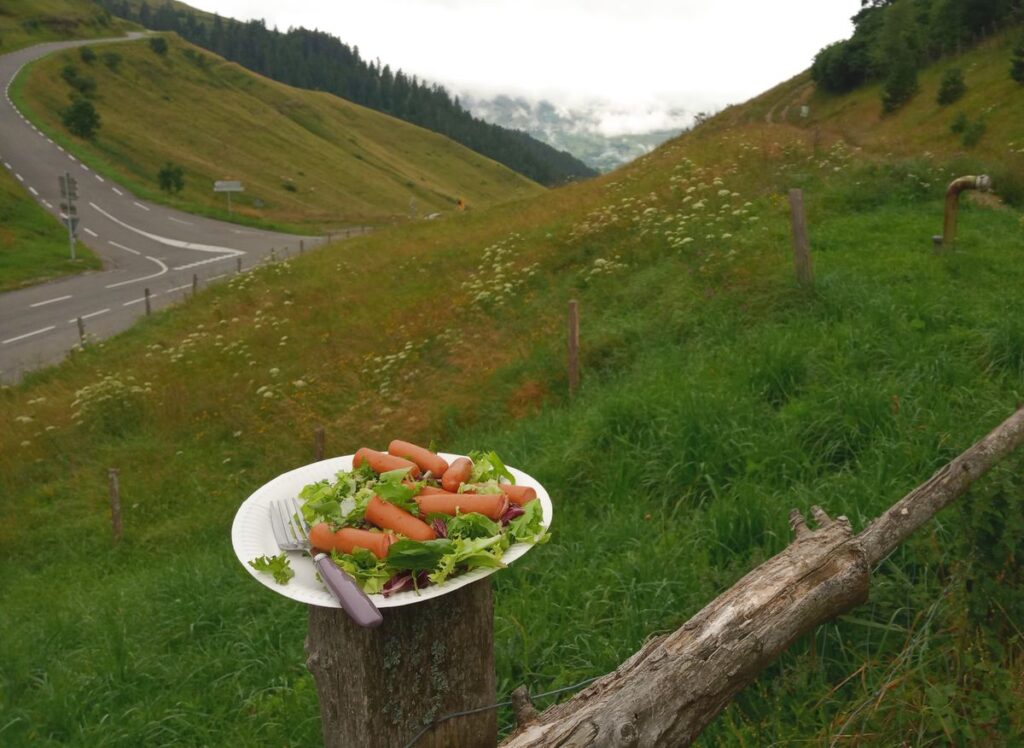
[(717, 394)]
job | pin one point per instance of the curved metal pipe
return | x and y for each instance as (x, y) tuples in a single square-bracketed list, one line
[(981, 183)]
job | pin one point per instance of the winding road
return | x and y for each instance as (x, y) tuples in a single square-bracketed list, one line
[(142, 245)]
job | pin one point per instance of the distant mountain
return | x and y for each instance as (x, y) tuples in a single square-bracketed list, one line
[(583, 130), (318, 61)]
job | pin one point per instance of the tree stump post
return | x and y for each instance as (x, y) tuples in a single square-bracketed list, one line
[(379, 688)]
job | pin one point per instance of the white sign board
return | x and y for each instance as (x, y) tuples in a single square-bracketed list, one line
[(227, 186)]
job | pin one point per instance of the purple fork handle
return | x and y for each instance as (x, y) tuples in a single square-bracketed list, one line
[(344, 588)]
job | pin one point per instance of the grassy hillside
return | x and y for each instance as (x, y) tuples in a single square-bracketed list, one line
[(303, 157), (33, 246), (24, 22), (717, 395)]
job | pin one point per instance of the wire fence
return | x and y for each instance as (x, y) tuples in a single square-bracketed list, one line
[(444, 718)]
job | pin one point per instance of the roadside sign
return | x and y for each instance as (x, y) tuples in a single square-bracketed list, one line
[(69, 187), (228, 186), (70, 208), (73, 224)]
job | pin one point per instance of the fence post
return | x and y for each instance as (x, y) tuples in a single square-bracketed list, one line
[(801, 243), (318, 441), (238, 265), (380, 687), (149, 308), (302, 246), (574, 347), (115, 502), (195, 283), (81, 332)]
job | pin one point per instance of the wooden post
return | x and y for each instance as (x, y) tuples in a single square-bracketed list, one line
[(115, 503), (149, 308), (81, 332), (302, 246), (380, 687), (574, 347), (195, 283), (318, 441), (273, 255), (801, 243), (238, 265)]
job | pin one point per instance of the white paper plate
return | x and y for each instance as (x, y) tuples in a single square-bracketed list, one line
[(252, 537)]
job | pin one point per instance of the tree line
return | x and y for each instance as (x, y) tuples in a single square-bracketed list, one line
[(319, 61), (892, 39)]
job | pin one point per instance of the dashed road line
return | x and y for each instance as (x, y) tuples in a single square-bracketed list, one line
[(116, 191), (91, 314), (178, 220), (28, 335), (90, 232), (99, 178), (139, 300), (33, 191), (140, 205), (178, 288), (126, 249), (49, 301)]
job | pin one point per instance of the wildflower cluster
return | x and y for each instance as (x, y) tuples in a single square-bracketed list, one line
[(602, 266), (497, 278), (114, 403)]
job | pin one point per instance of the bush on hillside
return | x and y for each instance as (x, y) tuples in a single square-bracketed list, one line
[(112, 60), (1017, 62), (959, 124), (83, 84), (171, 178), (974, 132), (159, 45), (88, 55), (900, 84), (81, 118), (952, 87)]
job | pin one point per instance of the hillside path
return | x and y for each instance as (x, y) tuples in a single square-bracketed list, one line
[(142, 244)]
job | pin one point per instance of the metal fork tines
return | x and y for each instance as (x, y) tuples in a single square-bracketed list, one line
[(290, 529)]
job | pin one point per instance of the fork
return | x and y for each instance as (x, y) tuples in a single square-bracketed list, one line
[(292, 534)]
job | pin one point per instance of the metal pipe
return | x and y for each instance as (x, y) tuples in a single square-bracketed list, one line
[(982, 183)]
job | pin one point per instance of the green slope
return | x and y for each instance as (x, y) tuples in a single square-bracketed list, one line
[(716, 396), (24, 22), (303, 157)]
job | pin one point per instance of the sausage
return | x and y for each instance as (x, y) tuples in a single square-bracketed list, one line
[(456, 474), (424, 458), (347, 539), (490, 505), (390, 517), (428, 490), (518, 494), (381, 462)]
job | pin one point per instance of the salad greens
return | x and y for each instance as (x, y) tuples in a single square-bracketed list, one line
[(465, 542), (277, 565)]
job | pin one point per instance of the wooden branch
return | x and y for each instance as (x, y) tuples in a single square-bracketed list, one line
[(887, 532), (671, 689)]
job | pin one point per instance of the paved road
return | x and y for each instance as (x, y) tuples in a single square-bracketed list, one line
[(142, 245)]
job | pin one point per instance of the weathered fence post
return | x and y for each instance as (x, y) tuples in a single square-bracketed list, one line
[(318, 441), (574, 347), (81, 332), (149, 308), (801, 243), (115, 502), (381, 687), (238, 265), (302, 246)]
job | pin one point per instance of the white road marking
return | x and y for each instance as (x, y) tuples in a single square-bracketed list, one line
[(178, 220), (72, 157), (178, 288), (20, 178), (84, 167), (140, 205), (33, 191), (139, 300), (126, 249), (90, 232), (170, 242), (28, 335), (99, 178), (8, 165), (48, 204), (91, 314), (117, 191), (218, 277), (60, 148), (163, 269), (49, 301), (202, 262)]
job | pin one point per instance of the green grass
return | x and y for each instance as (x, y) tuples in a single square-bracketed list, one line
[(305, 158), (717, 395), (33, 246), (25, 22)]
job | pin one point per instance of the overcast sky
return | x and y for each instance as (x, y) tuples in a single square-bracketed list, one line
[(642, 58)]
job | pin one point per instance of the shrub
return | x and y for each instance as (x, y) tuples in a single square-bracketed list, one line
[(900, 84), (83, 84), (952, 87), (112, 60), (171, 178), (88, 55), (81, 118), (159, 45), (1017, 62), (959, 124), (973, 133)]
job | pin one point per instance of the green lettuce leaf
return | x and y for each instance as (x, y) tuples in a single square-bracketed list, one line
[(370, 572), (470, 554), (417, 555), (527, 527), (472, 525), (488, 466), (276, 565)]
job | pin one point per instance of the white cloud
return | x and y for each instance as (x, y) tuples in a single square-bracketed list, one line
[(692, 54)]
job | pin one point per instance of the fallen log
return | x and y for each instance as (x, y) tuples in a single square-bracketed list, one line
[(670, 690)]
